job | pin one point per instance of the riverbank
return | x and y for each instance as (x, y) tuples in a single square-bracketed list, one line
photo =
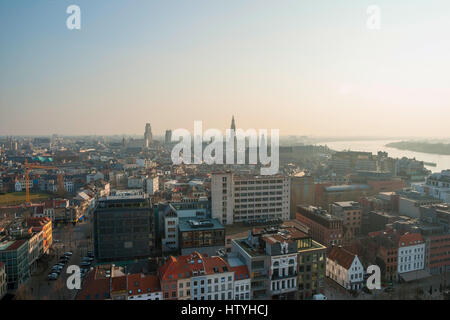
[(424, 147)]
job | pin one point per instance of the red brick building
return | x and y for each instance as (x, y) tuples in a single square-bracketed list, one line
[(323, 227)]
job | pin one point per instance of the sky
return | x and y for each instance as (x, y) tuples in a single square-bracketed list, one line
[(303, 67)]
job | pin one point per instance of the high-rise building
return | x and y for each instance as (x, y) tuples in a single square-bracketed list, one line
[(302, 192), (168, 137), (247, 198), (123, 228), (147, 135)]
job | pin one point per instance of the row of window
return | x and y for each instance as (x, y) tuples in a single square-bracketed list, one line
[(257, 182)]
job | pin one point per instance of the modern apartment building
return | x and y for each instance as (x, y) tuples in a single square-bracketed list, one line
[(312, 258), (168, 216), (206, 236), (14, 254), (249, 198)]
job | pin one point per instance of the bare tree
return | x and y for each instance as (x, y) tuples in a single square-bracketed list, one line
[(24, 293)]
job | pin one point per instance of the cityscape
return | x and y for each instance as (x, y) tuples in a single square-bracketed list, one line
[(106, 192), (139, 227)]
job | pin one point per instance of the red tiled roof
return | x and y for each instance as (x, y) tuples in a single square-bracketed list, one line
[(341, 256), (409, 239), (38, 221), (119, 283), (94, 288), (375, 233), (240, 272), (184, 266), (143, 283)]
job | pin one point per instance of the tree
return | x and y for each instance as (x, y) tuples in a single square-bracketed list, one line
[(23, 293)]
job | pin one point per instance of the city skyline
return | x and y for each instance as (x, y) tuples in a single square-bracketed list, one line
[(303, 68)]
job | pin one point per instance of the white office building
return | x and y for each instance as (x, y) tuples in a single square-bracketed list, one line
[(247, 198)]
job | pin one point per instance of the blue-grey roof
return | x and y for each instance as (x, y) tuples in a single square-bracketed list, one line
[(193, 224), (347, 187)]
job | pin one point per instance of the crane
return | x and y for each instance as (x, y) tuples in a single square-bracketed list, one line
[(28, 167)]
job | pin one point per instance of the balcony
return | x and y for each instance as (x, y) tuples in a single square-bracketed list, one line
[(285, 290), (278, 276), (258, 285)]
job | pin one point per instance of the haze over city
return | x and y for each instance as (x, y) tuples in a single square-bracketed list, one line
[(306, 68)]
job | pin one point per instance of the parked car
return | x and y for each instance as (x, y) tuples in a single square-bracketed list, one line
[(68, 253), (389, 289), (52, 276), (85, 264), (88, 259), (90, 254)]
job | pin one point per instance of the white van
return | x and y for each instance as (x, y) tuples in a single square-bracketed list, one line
[(319, 297)]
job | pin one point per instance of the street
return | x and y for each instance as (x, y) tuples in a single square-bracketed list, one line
[(402, 291), (78, 240)]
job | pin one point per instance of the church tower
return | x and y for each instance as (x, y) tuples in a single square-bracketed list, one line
[(233, 125)]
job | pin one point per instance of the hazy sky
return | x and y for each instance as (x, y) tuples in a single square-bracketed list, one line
[(304, 67)]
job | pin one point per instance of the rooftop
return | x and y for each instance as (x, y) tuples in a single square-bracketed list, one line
[(11, 245), (197, 224), (341, 256), (347, 187)]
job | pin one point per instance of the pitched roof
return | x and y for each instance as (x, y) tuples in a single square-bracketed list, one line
[(38, 221), (94, 288), (240, 272), (139, 284), (119, 283), (409, 239), (184, 266), (341, 256)]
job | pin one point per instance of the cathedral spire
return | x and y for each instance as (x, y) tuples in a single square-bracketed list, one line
[(233, 125)]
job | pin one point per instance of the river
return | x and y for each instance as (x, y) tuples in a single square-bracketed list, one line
[(442, 161)]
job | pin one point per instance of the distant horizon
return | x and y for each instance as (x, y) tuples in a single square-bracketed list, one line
[(311, 137)]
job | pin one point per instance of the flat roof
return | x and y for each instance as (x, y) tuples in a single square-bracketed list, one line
[(248, 249), (11, 245), (194, 224), (347, 187), (415, 275)]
